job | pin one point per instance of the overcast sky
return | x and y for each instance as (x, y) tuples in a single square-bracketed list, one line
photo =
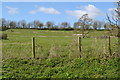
[(55, 11)]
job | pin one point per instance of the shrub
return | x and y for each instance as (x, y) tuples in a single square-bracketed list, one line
[(73, 50), (54, 51), (3, 36)]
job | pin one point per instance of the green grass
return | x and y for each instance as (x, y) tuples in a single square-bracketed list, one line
[(60, 68), (58, 55), (20, 41)]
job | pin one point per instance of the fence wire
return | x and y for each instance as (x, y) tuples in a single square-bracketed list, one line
[(59, 47)]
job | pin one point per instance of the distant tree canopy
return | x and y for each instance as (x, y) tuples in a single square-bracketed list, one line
[(65, 25), (84, 23), (3, 24), (97, 24), (49, 24), (12, 24)]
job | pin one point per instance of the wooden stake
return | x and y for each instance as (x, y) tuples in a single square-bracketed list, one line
[(33, 47), (79, 44), (109, 45)]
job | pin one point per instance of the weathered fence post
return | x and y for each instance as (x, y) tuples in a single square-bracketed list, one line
[(109, 45), (33, 47), (79, 43)]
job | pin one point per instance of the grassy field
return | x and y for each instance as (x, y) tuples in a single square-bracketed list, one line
[(57, 55)]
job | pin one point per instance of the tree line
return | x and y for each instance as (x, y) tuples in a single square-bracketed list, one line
[(83, 23)]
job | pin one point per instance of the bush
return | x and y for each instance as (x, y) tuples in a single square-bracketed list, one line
[(3, 36), (54, 51)]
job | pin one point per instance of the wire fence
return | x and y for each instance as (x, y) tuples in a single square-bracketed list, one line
[(60, 47)]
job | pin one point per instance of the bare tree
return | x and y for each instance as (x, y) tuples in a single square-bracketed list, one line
[(19, 24), (76, 26), (29, 25), (22, 24), (95, 25), (85, 23), (12, 24), (36, 23), (3, 25), (115, 19), (3, 22), (49, 24), (41, 25), (8, 23), (65, 24), (115, 22)]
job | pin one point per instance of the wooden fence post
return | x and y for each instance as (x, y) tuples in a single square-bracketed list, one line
[(79, 44), (109, 45), (33, 47)]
